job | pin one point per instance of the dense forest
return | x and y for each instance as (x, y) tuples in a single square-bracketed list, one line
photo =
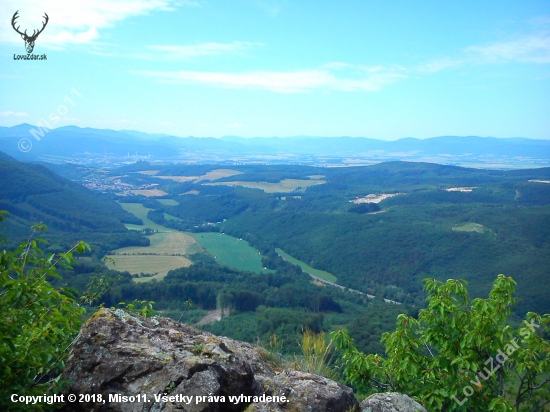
[(32, 193), (422, 232)]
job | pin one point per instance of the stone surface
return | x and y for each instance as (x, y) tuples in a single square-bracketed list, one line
[(390, 402), (118, 353), (306, 392)]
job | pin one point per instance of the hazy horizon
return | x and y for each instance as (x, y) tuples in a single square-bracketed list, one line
[(270, 137)]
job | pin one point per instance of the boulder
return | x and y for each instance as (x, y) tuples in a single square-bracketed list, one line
[(306, 392), (390, 402), (159, 364)]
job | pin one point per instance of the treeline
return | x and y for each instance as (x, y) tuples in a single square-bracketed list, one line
[(206, 284), (261, 305)]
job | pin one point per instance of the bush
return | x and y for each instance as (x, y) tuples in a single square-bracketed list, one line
[(460, 354), (38, 323)]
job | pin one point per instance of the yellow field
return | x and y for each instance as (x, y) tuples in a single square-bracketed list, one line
[(179, 179), (284, 186), (165, 253), (212, 175), (172, 243), (218, 174), (149, 192)]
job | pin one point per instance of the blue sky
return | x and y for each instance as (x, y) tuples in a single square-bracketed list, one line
[(371, 68)]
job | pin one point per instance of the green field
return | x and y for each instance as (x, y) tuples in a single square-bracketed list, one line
[(306, 268), (232, 252), (168, 202), (472, 227), (138, 210)]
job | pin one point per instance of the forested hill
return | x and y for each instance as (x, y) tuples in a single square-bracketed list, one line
[(32, 193)]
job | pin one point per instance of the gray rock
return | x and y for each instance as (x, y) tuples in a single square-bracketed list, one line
[(123, 354), (390, 402), (305, 392)]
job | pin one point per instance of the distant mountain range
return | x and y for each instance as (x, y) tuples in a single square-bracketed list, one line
[(113, 148)]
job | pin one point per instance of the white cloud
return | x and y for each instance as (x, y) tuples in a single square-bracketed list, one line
[(527, 49), (204, 49), (437, 65), (524, 49), (299, 81), (13, 114), (73, 22)]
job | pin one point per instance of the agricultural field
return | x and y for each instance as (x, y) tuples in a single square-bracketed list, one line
[(306, 268), (284, 186), (472, 227), (168, 202), (212, 175), (218, 174), (157, 265), (138, 210), (232, 252), (149, 192), (166, 252)]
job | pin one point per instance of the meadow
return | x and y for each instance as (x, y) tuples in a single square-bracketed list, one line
[(231, 251), (138, 210), (227, 250), (168, 202), (306, 268)]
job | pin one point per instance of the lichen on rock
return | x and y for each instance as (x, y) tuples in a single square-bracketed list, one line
[(117, 353)]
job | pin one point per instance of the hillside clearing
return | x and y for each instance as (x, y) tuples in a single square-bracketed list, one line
[(372, 198), (168, 202), (471, 227), (138, 210), (306, 268)]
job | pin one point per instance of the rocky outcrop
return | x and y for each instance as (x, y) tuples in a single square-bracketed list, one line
[(157, 364), (390, 402)]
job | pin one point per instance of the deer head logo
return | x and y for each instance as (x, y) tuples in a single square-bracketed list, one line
[(29, 40)]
